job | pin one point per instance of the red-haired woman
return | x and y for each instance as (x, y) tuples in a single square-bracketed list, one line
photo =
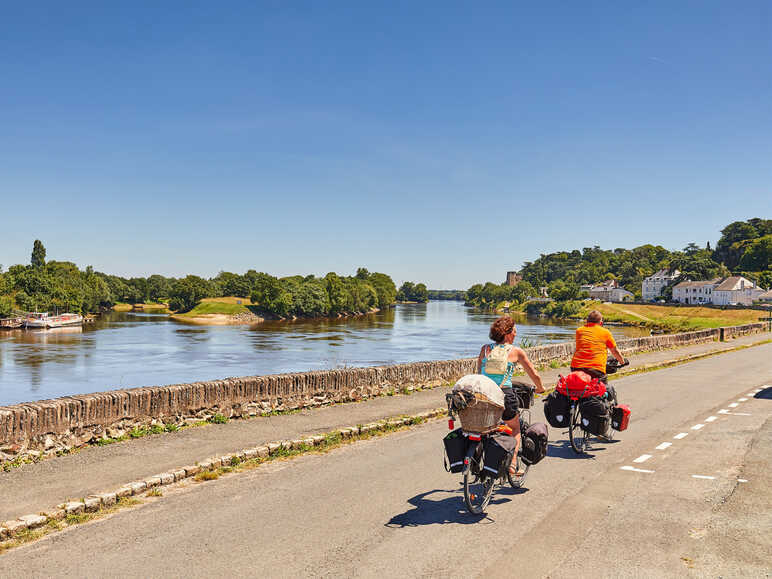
[(498, 362)]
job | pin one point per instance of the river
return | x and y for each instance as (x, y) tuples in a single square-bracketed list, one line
[(125, 350)]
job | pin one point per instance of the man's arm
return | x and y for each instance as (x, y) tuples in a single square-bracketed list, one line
[(617, 355)]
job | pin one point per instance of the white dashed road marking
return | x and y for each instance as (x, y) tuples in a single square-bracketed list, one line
[(633, 469), (711, 418), (742, 480), (642, 458), (697, 426), (733, 405), (664, 445), (723, 411), (703, 476), (681, 435), (742, 399)]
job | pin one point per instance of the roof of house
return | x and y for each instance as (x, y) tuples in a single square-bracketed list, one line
[(664, 273), (733, 283), (767, 295), (608, 284), (702, 283)]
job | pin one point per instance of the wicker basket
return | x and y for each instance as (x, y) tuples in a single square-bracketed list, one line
[(480, 415)]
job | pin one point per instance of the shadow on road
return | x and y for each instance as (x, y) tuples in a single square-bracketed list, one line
[(765, 394), (562, 449), (448, 510)]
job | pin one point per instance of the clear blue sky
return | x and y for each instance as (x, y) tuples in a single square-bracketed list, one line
[(442, 142)]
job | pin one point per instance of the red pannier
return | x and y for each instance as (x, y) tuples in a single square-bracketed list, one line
[(580, 385), (620, 417)]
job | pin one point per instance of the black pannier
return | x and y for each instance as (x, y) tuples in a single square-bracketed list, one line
[(499, 449), (535, 443), (455, 450), (596, 417), (525, 395), (556, 410)]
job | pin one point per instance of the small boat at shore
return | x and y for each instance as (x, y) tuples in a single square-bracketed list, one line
[(11, 323), (43, 320)]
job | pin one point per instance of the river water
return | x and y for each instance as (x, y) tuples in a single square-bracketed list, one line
[(124, 350)]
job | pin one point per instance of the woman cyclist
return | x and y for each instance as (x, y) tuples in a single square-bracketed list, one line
[(498, 362)]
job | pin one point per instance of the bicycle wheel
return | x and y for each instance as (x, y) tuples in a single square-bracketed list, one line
[(576, 434), (478, 489), (516, 481)]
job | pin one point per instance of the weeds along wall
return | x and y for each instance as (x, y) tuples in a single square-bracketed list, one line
[(49, 427)]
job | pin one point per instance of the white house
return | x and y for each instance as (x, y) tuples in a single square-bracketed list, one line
[(766, 297), (609, 291), (695, 292), (652, 286), (736, 290), (602, 291), (619, 294)]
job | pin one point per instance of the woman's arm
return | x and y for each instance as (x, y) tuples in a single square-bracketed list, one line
[(483, 352), (522, 358)]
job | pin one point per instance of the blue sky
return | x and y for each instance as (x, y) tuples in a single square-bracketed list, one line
[(442, 142)]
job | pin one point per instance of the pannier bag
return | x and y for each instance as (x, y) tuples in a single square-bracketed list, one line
[(534, 443), (499, 449), (485, 403), (620, 417), (455, 450), (596, 418), (525, 395), (556, 410)]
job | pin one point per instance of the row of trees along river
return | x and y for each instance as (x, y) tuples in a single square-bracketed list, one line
[(61, 285)]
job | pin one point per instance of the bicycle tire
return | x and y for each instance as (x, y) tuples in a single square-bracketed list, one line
[(516, 482), (477, 491), (578, 443)]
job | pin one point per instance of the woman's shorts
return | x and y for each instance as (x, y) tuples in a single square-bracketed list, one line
[(511, 407)]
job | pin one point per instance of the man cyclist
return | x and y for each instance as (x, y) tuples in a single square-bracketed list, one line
[(592, 341)]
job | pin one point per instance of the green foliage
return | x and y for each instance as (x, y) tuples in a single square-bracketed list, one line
[(219, 419), (316, 297), (490, 295), (455, 295), (758, 254), (410, 292), (187, 292), (38, 258)]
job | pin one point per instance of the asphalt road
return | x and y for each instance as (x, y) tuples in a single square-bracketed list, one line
[(385, 507)]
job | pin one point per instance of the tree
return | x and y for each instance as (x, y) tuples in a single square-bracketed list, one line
[(38, 254), (758, 255), (187, 292)]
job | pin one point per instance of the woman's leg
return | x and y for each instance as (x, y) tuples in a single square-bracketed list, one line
[(514, 424)]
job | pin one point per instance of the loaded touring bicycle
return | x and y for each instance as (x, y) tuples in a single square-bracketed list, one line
[(483, 448)]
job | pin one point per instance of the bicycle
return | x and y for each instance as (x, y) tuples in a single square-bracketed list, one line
[(578, 435)]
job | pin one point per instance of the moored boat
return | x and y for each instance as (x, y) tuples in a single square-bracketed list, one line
[(45, 320), (11, 323)]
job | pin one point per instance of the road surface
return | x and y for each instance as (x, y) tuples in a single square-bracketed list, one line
[(693, 500)]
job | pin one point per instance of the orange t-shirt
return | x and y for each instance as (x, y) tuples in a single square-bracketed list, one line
[(591, 343)]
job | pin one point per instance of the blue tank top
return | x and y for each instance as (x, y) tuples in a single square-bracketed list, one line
[(503, 380)]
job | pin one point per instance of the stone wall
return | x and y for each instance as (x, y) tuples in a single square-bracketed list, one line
[(49, 426), (730, 332)]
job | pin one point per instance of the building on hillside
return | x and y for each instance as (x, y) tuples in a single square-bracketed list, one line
[(602, 291), (620, 294), (736, 290), (513, 278), (652, 286), (766, 297), (585, 288), (695, 292)]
